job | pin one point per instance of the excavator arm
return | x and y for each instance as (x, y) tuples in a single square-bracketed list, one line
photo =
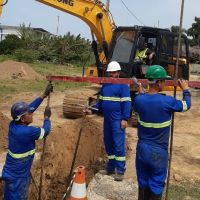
[(2, 3), (93, 13)]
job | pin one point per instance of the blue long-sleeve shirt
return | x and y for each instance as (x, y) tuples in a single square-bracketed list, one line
[(114, 102), (21, 145), (155, 112)]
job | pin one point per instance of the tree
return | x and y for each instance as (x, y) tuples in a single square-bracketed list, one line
[(10, 44), (175, 29), (194, 31)]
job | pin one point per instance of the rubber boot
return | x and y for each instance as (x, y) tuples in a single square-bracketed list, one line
[(155, 197), (143, 194)]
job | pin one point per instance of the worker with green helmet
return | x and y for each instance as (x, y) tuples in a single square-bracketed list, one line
[(154, 120)]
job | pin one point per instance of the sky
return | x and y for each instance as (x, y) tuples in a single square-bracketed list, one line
[(162, 13)]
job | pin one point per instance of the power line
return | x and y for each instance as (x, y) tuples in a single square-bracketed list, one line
[(4, 3), (132, 13)]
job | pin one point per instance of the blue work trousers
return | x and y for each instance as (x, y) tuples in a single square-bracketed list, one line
[(16, 189), (151, 167), (114, 140)]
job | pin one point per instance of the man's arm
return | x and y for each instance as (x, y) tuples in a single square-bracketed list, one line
[(36, 103), (125, 105)]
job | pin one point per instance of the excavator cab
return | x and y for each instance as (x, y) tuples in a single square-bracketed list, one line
[(127, 40)]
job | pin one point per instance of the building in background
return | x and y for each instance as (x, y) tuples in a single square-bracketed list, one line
[(14, 30)]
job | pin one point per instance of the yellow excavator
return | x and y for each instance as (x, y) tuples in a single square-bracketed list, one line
[(121, 44)]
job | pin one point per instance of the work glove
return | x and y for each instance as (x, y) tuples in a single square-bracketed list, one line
[(48, 89), (47, 112)]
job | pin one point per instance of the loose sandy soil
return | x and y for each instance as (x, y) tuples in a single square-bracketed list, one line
[(61, 143), (18, 70)]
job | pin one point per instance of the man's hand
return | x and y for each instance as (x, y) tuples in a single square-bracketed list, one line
[(138, 84), (87, 111), (47, 112), (123, 124), (48, 90), (183, 84)]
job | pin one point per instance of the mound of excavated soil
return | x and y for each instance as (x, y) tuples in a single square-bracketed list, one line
[(4, 121), (17, 70)]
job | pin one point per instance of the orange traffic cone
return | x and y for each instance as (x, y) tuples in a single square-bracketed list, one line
[(78, 191)]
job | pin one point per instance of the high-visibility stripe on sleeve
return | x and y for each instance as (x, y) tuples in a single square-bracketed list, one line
[(112, 157), (154, 125), (120, 158), (116, 99), (184, 106), (21, 155), (41, 134)]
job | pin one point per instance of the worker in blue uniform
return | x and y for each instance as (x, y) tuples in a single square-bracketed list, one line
[(154, 120), (21, 146), (115, 104)]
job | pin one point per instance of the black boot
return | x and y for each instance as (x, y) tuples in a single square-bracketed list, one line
[(143, 194), (155, 197)]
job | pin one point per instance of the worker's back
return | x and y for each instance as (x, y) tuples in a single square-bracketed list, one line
[(113, 96), (155, 111)]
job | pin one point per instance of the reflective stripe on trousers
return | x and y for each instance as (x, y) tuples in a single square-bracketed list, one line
[(114, 140)]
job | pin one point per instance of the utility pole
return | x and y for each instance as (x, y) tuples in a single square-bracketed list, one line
[(58, 19), (175, 88), (108, 4)]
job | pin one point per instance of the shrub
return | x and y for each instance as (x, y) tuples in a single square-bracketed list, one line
[(26, 55), (10, 44)]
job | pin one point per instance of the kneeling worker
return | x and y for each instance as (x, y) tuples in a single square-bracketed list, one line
[(21, 146)]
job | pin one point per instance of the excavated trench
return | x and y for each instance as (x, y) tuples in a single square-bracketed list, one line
[(60, 145), (59, 152)]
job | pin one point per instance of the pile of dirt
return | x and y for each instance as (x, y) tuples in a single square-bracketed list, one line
[(4, 121), (18, 70)]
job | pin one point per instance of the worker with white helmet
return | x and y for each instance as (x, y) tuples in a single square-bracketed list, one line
[(115, 104), (154, 120), (21, 146)]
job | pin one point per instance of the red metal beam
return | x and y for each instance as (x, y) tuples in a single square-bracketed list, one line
[(101, 80)]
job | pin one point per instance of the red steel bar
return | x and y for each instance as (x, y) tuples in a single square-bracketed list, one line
[(101, 80)]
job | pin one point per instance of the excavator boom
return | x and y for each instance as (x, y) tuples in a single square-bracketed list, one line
[(1, 6)]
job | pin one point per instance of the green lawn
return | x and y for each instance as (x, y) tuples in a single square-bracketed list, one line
[(13, 86)]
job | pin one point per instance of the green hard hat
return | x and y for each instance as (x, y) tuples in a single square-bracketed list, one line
[(156, 72)]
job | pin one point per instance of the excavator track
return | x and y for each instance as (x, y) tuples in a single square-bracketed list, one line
[(74, 103)]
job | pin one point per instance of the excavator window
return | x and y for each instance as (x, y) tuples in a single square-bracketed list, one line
[(124, 41), (168, 53)]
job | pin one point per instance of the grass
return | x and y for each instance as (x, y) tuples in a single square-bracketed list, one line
[(46, 69), (13, 86), (184, 191), (6, 57)]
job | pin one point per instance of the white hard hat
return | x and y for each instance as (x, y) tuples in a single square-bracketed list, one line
[(113, 67)]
